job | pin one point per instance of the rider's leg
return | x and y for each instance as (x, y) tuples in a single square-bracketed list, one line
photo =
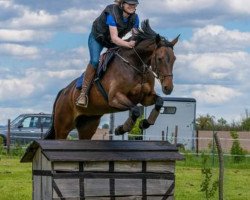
[(95, 49)]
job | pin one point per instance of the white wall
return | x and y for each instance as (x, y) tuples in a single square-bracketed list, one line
[(184, 118)]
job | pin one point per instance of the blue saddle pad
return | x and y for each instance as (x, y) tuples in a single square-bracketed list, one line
[(79, 81)]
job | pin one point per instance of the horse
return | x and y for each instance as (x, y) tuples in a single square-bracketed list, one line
[(128, 81)]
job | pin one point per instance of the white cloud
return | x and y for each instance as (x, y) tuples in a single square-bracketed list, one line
[(15, 87), (80, 19), (66, 74), (11, 113), (188, 5), (214, 38), (23, 35), (239, 6), (33, 19), (19, 51), (214, 94)]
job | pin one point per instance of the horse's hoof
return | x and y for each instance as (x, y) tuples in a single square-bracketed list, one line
[(135, 113), (159, 103), (119, 130), (144, 124)]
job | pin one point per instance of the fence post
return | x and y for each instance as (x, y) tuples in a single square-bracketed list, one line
[(8, 137), (111, 126), (41, 130), (197, 142), (175, 135), (221, 166), (162, 136)]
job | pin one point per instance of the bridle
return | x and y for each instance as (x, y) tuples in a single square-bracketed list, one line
[(159, 75), (146, 68)]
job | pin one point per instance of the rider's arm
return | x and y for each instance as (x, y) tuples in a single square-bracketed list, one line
[(114, 34), (117, 40)]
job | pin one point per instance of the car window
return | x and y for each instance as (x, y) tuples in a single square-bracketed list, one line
[(30, 122), (46, 121), (16, 121)]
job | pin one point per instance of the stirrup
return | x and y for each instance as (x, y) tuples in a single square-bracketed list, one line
[(80, 104)]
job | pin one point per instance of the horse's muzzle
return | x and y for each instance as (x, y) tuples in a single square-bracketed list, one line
[(167, 90), (167, 86)]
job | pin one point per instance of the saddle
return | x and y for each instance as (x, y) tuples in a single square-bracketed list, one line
[(104, 60)]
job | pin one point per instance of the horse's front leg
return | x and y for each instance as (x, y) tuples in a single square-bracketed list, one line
[(120, 101), (129, 123), (145, 123)]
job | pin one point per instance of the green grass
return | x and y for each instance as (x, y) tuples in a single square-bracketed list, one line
[(188, 180), (16, 180)]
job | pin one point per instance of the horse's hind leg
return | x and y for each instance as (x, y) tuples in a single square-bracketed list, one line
[(130, 122), (87, 125), (144, 124)]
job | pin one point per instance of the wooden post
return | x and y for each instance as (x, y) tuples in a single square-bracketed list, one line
[(221, 166), (197, 142), (41, 130), (175, 135), (162, 136), (8, 137), (111, 126), (103, 136)]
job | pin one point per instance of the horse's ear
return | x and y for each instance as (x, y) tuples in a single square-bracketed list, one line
[(175, 40), (157, 39)]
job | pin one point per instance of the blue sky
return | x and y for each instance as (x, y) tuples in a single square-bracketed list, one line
[(43, 46)]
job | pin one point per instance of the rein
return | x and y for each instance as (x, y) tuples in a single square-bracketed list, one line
[(145, 66)]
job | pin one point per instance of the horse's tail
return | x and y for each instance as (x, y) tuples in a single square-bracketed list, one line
[(50, 134)]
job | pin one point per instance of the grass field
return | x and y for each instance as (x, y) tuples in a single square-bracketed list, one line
[(16, 184)]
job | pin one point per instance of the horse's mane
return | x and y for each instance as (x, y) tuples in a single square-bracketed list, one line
[(145, 32)]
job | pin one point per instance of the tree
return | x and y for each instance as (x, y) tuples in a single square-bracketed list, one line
[(246, 124), (105, 126), (221, 124), (204, 122), (237, 152)]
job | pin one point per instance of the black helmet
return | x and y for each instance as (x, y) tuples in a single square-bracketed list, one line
[(118, 1), (131, 1)]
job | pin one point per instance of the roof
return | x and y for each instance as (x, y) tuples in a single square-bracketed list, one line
[(103, 150), (179, 99)]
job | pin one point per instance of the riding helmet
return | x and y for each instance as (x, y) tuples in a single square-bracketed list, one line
[(131, 1), (118, 1)]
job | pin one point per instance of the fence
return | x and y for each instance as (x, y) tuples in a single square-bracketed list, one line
[(203, 142)]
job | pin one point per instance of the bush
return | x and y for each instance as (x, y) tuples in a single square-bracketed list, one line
[(207, 186), (237, 152)]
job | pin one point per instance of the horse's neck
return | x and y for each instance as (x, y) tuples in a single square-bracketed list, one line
[(139, 55), (145, 49)]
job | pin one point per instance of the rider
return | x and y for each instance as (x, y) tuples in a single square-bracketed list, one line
[(115, 21)]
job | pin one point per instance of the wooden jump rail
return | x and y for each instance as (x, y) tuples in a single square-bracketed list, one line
[(102, 170)]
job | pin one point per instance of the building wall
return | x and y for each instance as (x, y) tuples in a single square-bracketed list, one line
[(101, 134), (205, 140)]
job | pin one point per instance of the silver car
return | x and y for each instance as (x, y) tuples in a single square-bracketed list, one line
[(26, 128)]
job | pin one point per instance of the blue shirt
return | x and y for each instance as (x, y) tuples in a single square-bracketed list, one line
[(110, 21)]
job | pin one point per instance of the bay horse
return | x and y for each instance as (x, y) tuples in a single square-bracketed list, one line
[(128, 81)]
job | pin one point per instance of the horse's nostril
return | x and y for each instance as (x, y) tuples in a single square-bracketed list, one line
[(167, 90)]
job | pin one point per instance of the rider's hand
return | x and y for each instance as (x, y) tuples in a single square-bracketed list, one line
[(131, 44)]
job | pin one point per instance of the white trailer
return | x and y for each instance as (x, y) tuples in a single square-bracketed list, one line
[(177, 118)]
